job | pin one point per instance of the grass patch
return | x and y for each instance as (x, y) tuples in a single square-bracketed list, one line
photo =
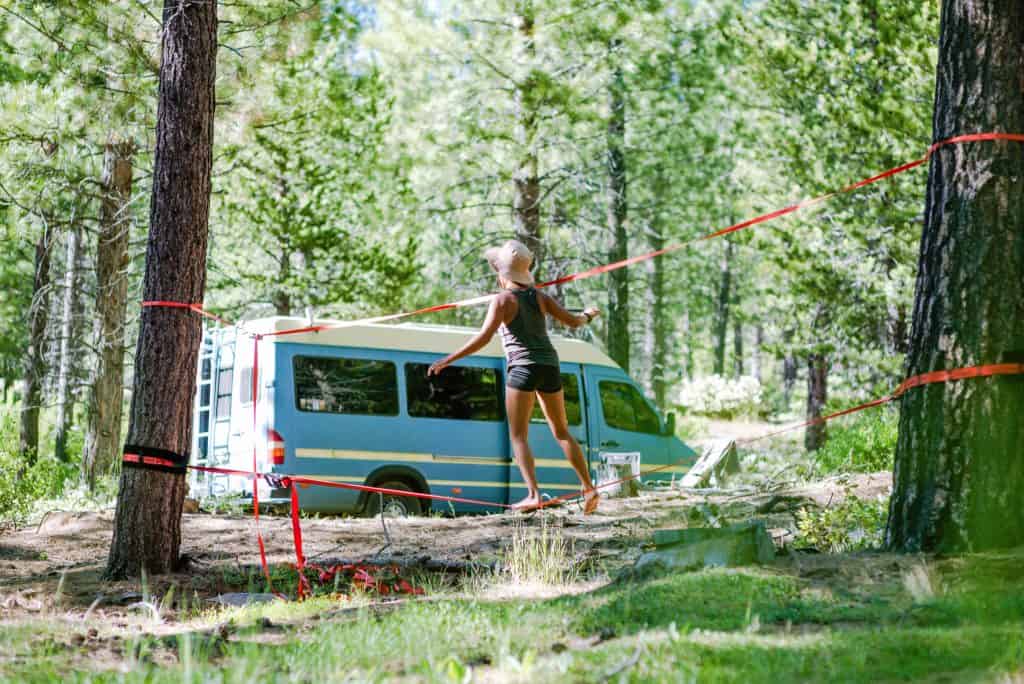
[(544, 558), (715, 625), (863, 444), (721, 600)]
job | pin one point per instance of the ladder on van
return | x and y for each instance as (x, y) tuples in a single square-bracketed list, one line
[(212, 415)]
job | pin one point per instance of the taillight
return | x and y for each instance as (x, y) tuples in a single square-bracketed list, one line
[(275, 447)]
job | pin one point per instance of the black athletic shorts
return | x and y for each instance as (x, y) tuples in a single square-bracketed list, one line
[(535, 378)]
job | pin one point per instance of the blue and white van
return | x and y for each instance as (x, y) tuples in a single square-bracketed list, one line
[(354, 404)]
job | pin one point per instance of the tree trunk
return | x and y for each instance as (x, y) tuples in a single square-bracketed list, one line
[(67, 334), (654, 324), (722, 309), (147, 525), (895, 340), (817, 395), (35, 361), (789, 370), (106, 395), (618, 281), (525, 179), (687, 370), (737, 346), (755, 353), (281, 299), (959, 467)]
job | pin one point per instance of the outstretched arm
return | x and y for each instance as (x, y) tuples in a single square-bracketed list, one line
[(557, 311), (495, 315)]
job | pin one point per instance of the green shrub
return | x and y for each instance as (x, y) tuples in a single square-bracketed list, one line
[(719, 397), (848, 526), (21, 486), (866, 444), (773, 400)]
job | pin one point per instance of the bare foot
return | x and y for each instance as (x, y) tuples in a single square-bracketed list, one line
[(590, 501), (530, 503)]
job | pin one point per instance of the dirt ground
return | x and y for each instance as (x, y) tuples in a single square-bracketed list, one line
[(61, 558)]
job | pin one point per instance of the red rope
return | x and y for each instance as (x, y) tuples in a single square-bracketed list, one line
[(614, 266), (303, 480), (196, 308), (959, 374), (291, 481), (926, 378), (911, 382), (300, 556)]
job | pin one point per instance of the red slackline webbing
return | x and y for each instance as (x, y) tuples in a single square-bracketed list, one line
[(923, 379)]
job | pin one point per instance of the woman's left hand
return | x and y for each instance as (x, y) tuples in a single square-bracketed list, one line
[(437, 367)]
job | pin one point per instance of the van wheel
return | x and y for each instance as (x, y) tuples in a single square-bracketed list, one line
[(394, 506)]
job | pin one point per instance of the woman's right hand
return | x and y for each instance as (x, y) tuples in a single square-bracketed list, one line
[(438, 366), (592, 312)]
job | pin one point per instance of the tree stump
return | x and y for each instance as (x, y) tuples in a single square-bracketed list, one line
[(618, 475)]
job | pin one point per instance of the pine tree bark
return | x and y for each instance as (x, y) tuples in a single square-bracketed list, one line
[(655, 347), (35, 359), (687, 369), (65, 406), (618, 281), (737, 347), (106, 393), (896, 334), (525, 179), (789, 369), (789, 376), (721, 320), (817, 396), (755, 353), (959, 467), (147, 525), (281, 299)]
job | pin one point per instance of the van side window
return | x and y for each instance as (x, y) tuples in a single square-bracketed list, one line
[(357, 386), (245, 386), (625, 408), (573, 410), (459, 393), (225, 381)]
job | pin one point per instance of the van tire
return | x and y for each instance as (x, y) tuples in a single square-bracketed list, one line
[(394, 506)]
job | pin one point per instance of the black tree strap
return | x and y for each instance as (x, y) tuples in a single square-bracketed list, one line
[(151, 458)]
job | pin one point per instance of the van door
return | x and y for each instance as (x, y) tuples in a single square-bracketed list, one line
[(624, 421), (554, 474), (458, 419)]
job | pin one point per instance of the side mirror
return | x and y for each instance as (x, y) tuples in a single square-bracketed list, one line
[(670, 424)]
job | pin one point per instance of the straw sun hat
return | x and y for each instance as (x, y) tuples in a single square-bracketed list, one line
[(512, 261)]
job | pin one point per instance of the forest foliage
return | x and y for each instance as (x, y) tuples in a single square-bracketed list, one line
[(366, 153)]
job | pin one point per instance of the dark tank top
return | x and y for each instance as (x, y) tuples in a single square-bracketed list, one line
[(525, 337)]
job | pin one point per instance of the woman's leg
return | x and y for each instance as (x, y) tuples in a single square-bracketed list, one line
[(519, 406), (553, 404)]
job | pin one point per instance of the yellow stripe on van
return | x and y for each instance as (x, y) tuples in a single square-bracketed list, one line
[(414, 457), (457, 483), (673, 469), (444, 483)]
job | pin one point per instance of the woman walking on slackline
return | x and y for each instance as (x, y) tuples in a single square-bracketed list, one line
[(519, 312)]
